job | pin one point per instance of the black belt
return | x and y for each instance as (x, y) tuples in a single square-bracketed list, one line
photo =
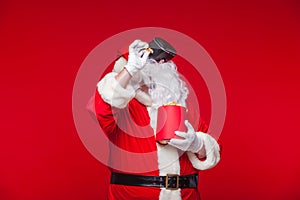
[(170, 181)]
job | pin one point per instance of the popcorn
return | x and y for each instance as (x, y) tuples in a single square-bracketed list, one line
[(149, 50), (173, 103)]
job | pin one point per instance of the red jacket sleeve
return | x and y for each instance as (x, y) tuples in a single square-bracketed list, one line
[(106, 116)]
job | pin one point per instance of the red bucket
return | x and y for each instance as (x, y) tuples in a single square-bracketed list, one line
[(170, 118)]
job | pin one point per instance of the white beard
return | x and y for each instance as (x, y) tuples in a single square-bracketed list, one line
[(164, 83)]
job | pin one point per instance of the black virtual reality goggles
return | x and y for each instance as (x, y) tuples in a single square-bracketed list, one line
[(162, 50)]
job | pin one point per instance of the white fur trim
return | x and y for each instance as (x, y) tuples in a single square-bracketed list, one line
[(113, 93), (212, 153), (168, 163), (119, 64), (170, 194), (168, 160)]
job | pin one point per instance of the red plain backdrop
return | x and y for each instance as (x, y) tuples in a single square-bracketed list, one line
[(255, 45)]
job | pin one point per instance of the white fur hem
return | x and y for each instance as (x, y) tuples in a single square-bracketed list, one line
[(170, 194), (113, 93), (212, 153), (168, 163)]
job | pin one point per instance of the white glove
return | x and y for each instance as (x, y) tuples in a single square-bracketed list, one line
[(137, 56), (190, 142)]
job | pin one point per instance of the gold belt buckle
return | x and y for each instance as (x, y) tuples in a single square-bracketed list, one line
[(167, 181)]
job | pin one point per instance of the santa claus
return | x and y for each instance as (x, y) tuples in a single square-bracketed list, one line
[(127, 99)]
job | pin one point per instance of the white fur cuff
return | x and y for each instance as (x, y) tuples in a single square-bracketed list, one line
[(113, 93), (212, 153)]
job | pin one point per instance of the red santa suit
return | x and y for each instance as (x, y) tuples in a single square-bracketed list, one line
[(121, 117)]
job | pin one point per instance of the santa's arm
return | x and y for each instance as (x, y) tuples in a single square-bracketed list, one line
[(123, 77), (114, 88), (210, 148), (197, 145), (113, 93), (136, 61), (209, 154)]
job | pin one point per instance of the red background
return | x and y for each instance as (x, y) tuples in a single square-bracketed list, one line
[(255, 45)]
